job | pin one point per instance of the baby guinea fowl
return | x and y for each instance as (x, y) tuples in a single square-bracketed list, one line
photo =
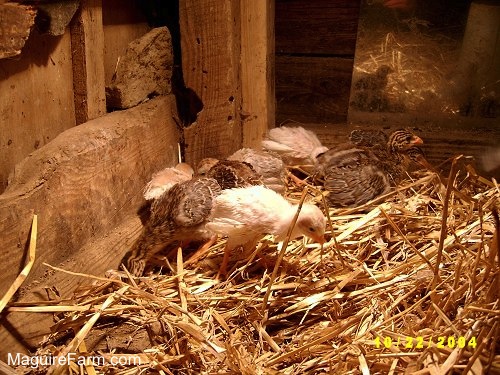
[(179, 214), (354, 175), (374, 81), (166, 178), (245, 215), (368, 138), (232, 174), (267, 164), (295, 145)]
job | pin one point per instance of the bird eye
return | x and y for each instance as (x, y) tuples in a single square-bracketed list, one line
[(311, 229)]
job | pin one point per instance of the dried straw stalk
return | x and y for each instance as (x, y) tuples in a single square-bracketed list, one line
[(408, 283)]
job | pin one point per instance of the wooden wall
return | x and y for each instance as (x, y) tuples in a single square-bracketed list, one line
[(123, 22), (228, 61), (315, 44), (85, 182), (37, 87), (36, 98)]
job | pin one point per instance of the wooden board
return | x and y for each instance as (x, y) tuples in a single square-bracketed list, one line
[(210, 43), (312, 89), (87, 43), (257, 70), (123, 22), (82, 185), (23, 331), (316, 27), (36, 98)]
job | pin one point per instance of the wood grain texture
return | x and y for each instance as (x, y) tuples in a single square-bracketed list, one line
[(21, 331), (16, 22), (257, 70), (87, 43), (81, 185), (312, 89), (123, 22), (210, 43), (316, 27), (36, 98)]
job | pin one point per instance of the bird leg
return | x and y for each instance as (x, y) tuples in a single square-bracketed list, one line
[(295, 179), (201, 251), (230, 246), (225, 260)]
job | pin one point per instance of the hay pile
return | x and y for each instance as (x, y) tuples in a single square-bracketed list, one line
[(407, 284)]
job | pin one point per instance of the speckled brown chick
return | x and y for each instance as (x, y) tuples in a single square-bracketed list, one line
[(267, 164), (368, 138), (177, 215), (354, 175), (234, 174)]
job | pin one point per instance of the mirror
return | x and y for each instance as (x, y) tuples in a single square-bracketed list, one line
[(426, 59)]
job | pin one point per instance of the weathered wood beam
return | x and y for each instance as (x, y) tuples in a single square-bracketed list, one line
[(257, 70), (210, 43), (318, 27), (82, 185), (87, 43), (312, 89)]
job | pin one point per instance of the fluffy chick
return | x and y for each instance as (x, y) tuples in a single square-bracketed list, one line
[(267, 164), (245, 215), (179, 214), (295, 145), (166, 178)]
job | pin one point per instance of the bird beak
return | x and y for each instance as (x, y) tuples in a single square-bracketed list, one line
[(417, 141), (320, 239)]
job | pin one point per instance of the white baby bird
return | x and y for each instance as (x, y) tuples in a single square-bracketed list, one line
[(244, 215)]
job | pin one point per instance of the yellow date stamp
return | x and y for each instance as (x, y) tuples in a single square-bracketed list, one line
[(420, 342)]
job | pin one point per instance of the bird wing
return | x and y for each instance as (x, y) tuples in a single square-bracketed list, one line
[(231, 174), (227, 227), (195, 202), (276, 146), (368, 137)]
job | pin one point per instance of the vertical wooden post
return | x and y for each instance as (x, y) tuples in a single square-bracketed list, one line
[(210, 43), (257, 70), (87, 44)]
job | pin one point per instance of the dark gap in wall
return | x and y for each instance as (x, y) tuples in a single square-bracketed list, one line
[(189, 104)]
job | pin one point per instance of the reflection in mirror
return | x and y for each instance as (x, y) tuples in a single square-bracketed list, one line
[(438, 58)]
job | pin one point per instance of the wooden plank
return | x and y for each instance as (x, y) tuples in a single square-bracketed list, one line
[(16, 22), (257, 70), (123, 22), (82, 185), (312, 89), (210, 43), (23, 331), (87, 41), (316, 27), (36, 97)]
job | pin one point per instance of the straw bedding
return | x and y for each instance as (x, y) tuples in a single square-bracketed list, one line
[(406, 284)]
